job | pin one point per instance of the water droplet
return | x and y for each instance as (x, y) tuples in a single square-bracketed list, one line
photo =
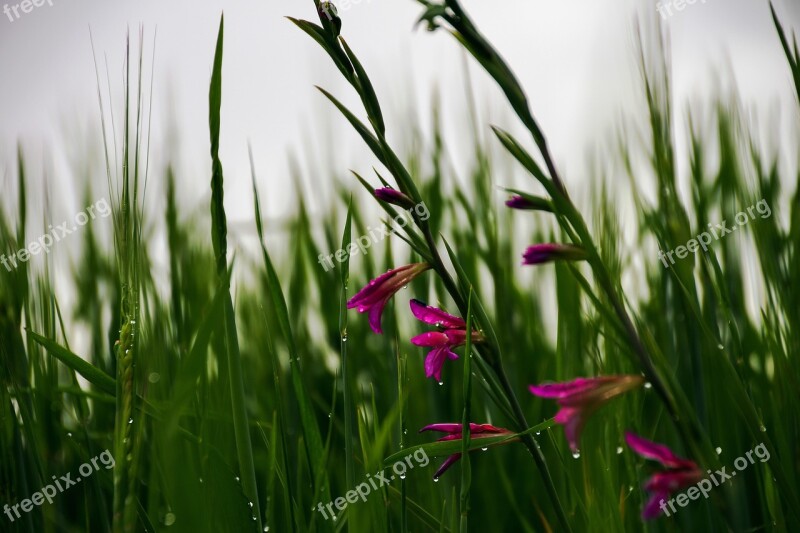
[(436, 480), (405, 432), (69, 435), (648, 385), (484, 449), (402, 476), (344, 337), (719, 450), (266, 528), (576, 454), (721, 347), (201, 480), (762, 428), (154, 377), (441, 383), (538, 433), (250, 504), (254, 518), (630, 488), (334, 518), (237, 479), (619, 450), (130, 421), (329, 415), (438, 324), (405, 286), (169, 519)]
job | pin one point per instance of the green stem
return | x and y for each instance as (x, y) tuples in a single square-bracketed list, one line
[(496, 364)]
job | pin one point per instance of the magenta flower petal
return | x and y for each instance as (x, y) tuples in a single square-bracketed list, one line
[(454, 432), (581, 397), (653, 506), (434, 362), (573, 420), (657, 452), (455, 427), (544, 253), (561, 390), (376, 293), (680, 473), (375, 313), (436, 317), (431, 338), (673, 479), (450, 461), (454, 334)]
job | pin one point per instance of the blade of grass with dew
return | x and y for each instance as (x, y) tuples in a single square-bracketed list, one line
[(344, 277), (313, 440), (466, 467), (241, 426)]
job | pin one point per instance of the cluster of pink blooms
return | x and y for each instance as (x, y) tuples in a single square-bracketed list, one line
[(578, 399)]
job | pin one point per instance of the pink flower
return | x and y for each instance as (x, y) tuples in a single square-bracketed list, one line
[(680, 473), (545, 253), (452, 333), (581, 397), (453, 430), (376, 293)]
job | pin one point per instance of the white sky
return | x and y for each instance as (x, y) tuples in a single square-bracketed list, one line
[(574, 57)]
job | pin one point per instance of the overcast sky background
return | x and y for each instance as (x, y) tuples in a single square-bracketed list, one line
[(574, 57)]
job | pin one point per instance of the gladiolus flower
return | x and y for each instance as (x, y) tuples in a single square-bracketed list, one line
[(581, 397), (452, 333), (545, 253), (530, 203), (376, 293), (394, 197), (680, 473), (453, 430)]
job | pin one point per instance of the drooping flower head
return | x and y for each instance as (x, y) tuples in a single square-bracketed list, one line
[(452, 333), (680, 473), (394, 197), (376, 293), (454, 432), (548, 252), (581, 397)]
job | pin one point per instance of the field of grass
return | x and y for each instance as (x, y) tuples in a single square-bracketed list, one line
[(259, 390)]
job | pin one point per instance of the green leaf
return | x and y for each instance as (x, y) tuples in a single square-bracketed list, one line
[(91, 373)]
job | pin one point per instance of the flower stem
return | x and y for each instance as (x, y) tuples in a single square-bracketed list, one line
[(495, 362)]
